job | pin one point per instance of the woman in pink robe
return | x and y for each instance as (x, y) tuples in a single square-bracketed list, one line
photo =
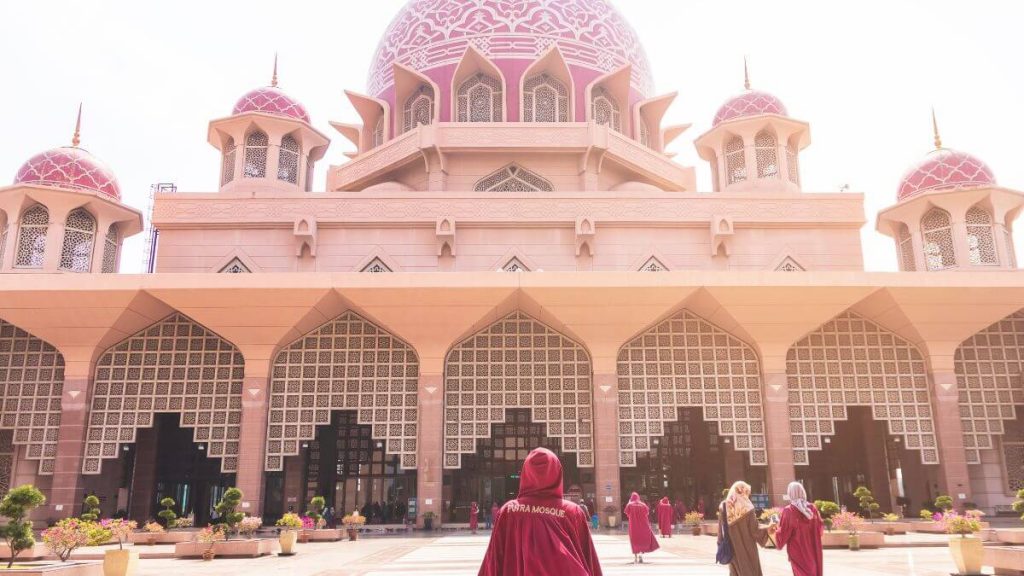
[(641, 536), (665, 513), (474, 517), (800, 530)]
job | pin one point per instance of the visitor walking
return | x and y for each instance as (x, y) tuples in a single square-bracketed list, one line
[(539, 533), (641, 536), (800, 530), (738, 520), (474, 514), (489, 516), (665, 514), (680, 512)]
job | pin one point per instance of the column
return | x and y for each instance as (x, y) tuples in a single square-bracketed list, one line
[(252, 439), (778, 438), (954, 478), (67, 491), (430, 442), (606, 441)]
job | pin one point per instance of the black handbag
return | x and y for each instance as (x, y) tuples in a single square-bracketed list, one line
[(724, 554)]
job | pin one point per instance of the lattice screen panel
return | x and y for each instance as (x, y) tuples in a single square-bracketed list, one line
[(31, 385), (517, 362), (851, 361), (347, 364), (173, 366), (766, 150), (1013, 457), (6, 460), (687, 361), (988, 369)]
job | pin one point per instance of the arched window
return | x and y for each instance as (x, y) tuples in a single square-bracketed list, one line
[(906, 249), (938, 240), (378, 132), (513, 178), (545, 99), (419, 108), (767, 152), (32, 237), (735, 162), (793, 163), (110, 251), (645, 134), (3, 236), (288, 160), (227, 173), (1011, 255), (981, 244), (480, 99), (256, 155), (605, 109), (79, 232)]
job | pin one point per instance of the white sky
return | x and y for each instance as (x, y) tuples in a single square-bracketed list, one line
[(864, 74)]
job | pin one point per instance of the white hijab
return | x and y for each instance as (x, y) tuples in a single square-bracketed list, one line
[(798, 498)]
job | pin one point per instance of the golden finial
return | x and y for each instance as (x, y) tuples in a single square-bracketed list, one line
[(273, 81), (746, 75), (935, 129), (78, 127)]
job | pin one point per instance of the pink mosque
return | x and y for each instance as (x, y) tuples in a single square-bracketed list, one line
[(510, 258)]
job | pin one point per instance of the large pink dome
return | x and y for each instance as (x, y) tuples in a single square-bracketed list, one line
[(750, 103), (271, 100), (431, 34), (71, 168), (945, 169)]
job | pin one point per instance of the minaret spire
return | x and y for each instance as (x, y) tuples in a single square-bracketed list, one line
[(746, 75), (935, 130), (78, 128), (273, 80)]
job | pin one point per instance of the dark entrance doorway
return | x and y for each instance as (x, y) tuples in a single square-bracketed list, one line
[(690, 462), (184, 472), (352, 470), (492, 473)]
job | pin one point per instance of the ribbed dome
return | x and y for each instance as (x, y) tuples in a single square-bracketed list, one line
[(71, 168), (945, 169), (750, 103), (271, 100)]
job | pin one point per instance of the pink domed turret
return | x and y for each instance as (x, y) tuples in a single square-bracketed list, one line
[(271, 100), (750, 103), (70, 167), (945, 169)]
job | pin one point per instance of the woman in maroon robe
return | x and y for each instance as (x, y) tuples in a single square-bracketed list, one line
[(641, 536), (665, 514), (539, 533), (474, 517), (800, 531), (680, 511)]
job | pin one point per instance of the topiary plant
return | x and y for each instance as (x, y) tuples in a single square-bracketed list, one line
[(944, 503), (226, 509), (168, 512), (827, 509), (1018, 504), (316, 508), (91, 508), (15, 506), (867, 501)]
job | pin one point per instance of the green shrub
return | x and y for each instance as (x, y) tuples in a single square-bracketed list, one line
[(168, 512), (91, 508), (15, 506), (867, 501), (944, 503), (226, 509), (316, 508), (1018, 504)]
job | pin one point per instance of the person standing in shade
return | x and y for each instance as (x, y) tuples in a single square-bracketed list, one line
[(539, 533), (800, 530), (744, 532), (665, 514), (641, 536), (474, 517)]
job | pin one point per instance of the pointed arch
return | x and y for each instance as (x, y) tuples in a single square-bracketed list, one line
[(905, 243), (111, 244), (547, 90), (981, 243), (653, 264), (605, 109), (4, 227), (419, 108), (288, 160), (766, 150), (348, 363), (793, 161), (937, 232), (513, 178), (175, 365), (235, 266), (377, 139), (31, 387), (852, 361), (735, 160), (32, 230), (227, 164), (79, 235), (479, 89), (376, 266), (256, 144), (517, 362)]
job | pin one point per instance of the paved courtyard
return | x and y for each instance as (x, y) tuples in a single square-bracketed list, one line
[(460, 555)]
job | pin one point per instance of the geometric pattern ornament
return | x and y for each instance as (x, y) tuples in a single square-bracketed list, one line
[(513, 178), (430, 34), (945, 169), (271, 100), (6, 460), (175, 365), (69, 168), (750, 103), (687, 361), (31, 386), (988, 369), (348, 363), (517, 362), (851, 361)]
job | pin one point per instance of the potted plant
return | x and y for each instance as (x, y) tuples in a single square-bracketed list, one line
[(693, 520), (867, 501), (316, 510), (609, 512), (153, 531), (352, 523), (119, 562), (967, 551), (290, 524), (91, 509), (208, 536), (852, 523), (944, 503), (226, 510), (889, 530), (71, 533), (926, 514), (168, 513), (827, 509), (184, 522), (248, 526), (17, 532), (428, 520)]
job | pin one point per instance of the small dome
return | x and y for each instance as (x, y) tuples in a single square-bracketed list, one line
[(945, 169), (69, 167), (750, 103), (271, 100)]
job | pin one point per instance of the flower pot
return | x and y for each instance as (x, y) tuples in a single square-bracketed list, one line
[(695, 530), (854, 542), (287, 541), (353, 534), (967, 554), (120, 562), (208, 554)]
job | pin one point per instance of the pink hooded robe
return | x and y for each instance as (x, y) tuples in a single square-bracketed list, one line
[(474, 513), (665, 514), (801, 537), (539, 533), (641, 537)]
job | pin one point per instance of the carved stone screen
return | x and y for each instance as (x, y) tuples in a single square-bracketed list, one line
[(31, 385), (851, 361), (6, 460), (173, 366), (347, 364), (517, 362), (687, 361)]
